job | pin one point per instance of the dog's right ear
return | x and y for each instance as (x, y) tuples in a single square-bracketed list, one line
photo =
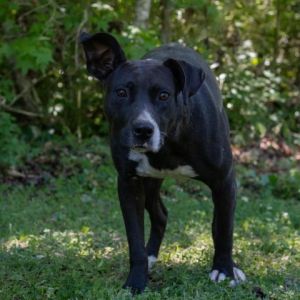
[(103, 54), (188, 78)]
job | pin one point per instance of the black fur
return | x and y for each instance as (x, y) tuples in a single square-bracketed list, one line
[(195, 132)]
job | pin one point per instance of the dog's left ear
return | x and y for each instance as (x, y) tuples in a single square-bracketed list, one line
[(188, 78), (103, 54)]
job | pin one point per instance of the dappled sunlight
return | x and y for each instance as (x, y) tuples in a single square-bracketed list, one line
[(61, 243), (266, 248), (198, 254)]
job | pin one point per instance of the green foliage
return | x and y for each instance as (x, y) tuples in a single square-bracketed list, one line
[(286, 185), (32, 54), (283, 185), (255, 103), (6, 88), (12, 148), (253, 43)]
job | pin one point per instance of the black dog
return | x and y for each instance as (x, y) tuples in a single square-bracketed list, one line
[(166, 118)]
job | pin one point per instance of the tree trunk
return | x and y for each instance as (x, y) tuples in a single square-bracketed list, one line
[(142, 11), (276, 31), (165, 21)]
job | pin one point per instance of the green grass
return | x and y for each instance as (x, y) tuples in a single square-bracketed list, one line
[(65, 239)]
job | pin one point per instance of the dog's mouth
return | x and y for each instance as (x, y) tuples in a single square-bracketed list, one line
[(141, 147), (150, 145), (146, 147)]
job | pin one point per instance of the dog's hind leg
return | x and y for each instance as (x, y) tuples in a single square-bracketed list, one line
[(158, 217)]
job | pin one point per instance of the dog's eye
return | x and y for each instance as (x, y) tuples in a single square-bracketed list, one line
[(121, 93), (163, 96)]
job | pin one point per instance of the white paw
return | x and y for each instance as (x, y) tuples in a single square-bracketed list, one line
[(151, 261), (217, 276)]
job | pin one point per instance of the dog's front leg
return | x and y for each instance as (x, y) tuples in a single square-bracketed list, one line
[(224, 197), (132, 201)]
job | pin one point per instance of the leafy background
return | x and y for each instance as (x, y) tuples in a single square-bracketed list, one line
[(253, 47)]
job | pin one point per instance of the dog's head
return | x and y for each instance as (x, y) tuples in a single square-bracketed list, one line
[(141, 96)]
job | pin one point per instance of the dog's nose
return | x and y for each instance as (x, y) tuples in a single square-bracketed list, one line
[(143, 130)]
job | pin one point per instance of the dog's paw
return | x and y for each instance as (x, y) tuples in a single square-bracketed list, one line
[(238, 276), (136, 281), (151, 261)]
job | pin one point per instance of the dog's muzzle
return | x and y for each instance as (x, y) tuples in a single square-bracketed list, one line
[(146, 135), (142, 132)]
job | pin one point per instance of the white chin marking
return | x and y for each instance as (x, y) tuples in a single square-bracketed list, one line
[(151, 261), (155, 141), (217, 276)]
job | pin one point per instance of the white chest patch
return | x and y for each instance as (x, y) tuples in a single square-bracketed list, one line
[(146, 170)]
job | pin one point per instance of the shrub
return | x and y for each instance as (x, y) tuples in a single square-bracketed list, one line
[(12, 147)]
